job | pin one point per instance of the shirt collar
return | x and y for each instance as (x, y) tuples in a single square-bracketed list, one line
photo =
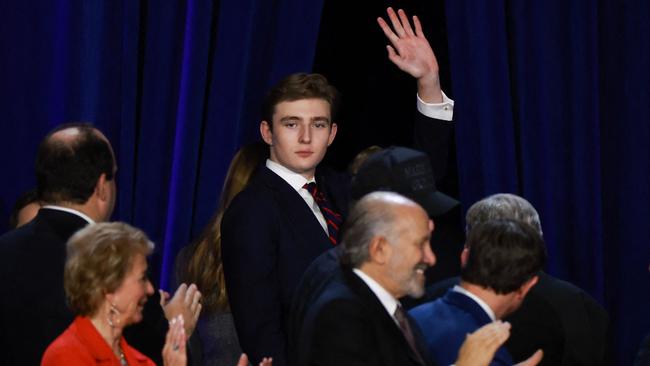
[(478, 300), (386, 299), (295, 180), (69, 210)]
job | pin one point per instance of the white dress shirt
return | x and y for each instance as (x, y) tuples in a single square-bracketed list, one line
[(478, 300), (297, 181), (387, 300), (69, 210), (443, 111)]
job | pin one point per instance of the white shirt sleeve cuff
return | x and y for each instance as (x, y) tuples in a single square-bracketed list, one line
[(443, 111)]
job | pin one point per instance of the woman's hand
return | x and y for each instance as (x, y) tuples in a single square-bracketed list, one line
[(174, 352)]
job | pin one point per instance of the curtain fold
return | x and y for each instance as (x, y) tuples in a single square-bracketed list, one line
[(176, 87), (552, 104)]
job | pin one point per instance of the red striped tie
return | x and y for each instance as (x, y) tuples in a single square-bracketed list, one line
[(332, 218)]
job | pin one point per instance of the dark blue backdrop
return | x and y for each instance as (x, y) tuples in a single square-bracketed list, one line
[(552, 103)]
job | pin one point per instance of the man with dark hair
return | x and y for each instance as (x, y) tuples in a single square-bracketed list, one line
[(296, 87), (359, 320), (86, 156), (501, 261), (556, 316), (75, 172), (288, 214)]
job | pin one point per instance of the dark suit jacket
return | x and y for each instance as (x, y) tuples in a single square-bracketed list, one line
[(322, 271), (446, 322), (33, 311), (556, 316), (436, 139), (269, 237), (348, 325)]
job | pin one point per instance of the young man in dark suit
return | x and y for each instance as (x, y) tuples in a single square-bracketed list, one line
[(288, 214), (357, 319), (75, 173)]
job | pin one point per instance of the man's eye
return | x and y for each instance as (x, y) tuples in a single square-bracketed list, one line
[(290, 124), (320, 125)]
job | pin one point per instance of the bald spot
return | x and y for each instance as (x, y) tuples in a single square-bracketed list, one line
[(400, 209)]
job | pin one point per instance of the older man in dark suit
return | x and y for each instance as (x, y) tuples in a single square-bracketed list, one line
[(75, 173), (358, 319)]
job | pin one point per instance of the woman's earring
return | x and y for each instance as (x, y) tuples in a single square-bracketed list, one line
[(112, 312)]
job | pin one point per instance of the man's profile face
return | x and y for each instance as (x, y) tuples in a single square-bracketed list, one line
[(411, 254), (302, 131)]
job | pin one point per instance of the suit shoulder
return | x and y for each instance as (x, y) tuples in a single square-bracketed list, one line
[(254, 197)]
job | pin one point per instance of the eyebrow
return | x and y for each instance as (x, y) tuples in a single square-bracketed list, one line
[(296, 118)]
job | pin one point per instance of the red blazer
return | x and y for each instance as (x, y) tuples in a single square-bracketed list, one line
[(81, 344)]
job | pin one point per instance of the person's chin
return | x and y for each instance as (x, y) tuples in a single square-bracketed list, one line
[(416, 289), (136, 318)]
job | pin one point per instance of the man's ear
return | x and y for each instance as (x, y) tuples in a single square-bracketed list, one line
[(265, 131), (379, 250), (101, 188), (523, 290), (333, 129), (464, 255)]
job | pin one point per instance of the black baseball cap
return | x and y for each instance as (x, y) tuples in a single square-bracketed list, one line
[(404, 171)]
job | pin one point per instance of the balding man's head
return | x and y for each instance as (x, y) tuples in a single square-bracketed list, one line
[(387, 237), (373, 215), (70, 161)]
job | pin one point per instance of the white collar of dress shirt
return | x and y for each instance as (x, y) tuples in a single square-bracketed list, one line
[(69, 210), (386, 299), (295, 180), (478, 300)]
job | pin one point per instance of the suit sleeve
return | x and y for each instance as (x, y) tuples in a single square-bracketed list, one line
[(249, 249), (434, 137)]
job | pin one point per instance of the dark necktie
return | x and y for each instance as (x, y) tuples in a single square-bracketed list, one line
[(400, 316), (332, 218)]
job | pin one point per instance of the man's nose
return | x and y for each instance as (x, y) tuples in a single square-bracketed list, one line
[(429, 256), (305, 134)]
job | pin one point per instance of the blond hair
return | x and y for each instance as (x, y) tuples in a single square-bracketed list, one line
[(99, 257)]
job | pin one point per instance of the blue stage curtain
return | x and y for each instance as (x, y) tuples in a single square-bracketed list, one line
[(624, 57), (552, 104), (175, 85)]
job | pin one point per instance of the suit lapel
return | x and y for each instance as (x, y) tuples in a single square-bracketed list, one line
[(300, 216), (386, 320)]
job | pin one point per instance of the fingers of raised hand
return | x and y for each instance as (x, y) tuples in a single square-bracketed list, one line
[(406, 25), (395, 22)]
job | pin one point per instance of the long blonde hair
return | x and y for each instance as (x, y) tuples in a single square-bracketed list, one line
[(204, 267)]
